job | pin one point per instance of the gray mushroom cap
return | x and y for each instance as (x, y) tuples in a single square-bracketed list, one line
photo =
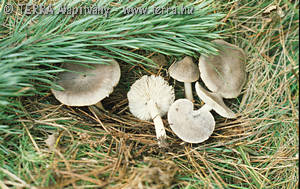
[(184, 70), (189, 125), (224, 73), (86, 86)]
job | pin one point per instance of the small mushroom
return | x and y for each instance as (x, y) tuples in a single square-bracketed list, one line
[(159, 59), (213, 101), (150, 98), (185, 71), (85, 86), (189, 125), (224, 73)]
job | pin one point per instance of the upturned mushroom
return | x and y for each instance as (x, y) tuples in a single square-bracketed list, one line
[(185, 71), (85, 86), (189, 125), (150, 98), (213, 101), (224, 73)]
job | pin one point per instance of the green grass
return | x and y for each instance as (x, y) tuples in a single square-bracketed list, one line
[(259, 149)]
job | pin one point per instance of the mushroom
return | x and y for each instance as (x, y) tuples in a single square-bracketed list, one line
[(150, 98), (189, 125), (185, 71), (85, 86), (159, 59), (224, 73), (213, 101)]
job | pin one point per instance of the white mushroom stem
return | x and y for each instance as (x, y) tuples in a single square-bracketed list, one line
[(188, 91), (158, 123), (214, 101), (205, 107)]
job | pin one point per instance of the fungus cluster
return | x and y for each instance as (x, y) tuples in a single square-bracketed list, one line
[(151, 97), (224, 75)]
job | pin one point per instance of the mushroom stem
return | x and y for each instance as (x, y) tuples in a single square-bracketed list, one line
[(205, 107), (188, 91), (158, 123), (215, 101)]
